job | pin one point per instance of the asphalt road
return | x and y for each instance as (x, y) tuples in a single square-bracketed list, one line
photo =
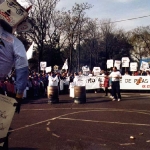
[(99, 124)]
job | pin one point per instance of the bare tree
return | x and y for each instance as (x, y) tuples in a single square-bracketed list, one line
[(92, 38), (42, 18), (140, 40), (74, 20)]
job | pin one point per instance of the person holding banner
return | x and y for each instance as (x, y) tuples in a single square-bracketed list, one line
[(115, 76), (12, 54)]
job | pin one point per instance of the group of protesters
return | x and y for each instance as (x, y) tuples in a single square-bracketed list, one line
[(37, 82)]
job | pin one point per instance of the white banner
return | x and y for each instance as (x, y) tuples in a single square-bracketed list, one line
[(90, 82), (29, 52), (7, 111), (94, 82), (126, 83), (65, 66)]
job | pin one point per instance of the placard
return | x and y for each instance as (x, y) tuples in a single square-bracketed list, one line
[(7, 111), (43, 65)]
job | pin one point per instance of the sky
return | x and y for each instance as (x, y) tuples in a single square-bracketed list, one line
[(115, 10)]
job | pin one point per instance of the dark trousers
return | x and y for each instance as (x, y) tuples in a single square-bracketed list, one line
[(106, 91), (5, 146), (2, 91), (116, 89)]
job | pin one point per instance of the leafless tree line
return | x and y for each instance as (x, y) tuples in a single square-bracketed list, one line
[(83, 39)]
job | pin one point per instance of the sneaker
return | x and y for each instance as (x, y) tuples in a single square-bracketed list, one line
[(113, 99), (119, 99)]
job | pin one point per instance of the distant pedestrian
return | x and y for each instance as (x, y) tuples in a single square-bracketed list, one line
[(116, 76), (106, 83)]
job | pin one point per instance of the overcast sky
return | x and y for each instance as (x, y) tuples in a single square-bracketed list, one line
[(115, 10)]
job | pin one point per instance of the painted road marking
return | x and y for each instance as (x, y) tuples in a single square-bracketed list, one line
[(126, 144), (145, 94), (96, 121), (48, 129), (55, 135), (48, 124), (104, 109)]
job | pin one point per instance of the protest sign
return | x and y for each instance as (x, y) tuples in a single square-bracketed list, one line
[(117, 64), (48, 69), (43, 65), (144, 65), (96, 70), (125, 61), (7, 110), (133, 66), (110, 63)]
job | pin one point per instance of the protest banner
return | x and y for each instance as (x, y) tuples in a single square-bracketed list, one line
[(126, 83), (135, 83), (7, 110)]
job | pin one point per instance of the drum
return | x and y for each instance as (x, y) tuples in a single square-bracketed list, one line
[(79, 94), (53, 94)]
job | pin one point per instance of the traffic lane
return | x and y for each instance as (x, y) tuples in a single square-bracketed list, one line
[(30, 113), (97, 100), (31, 117), (40, 119), (76, 129), (103, 135)]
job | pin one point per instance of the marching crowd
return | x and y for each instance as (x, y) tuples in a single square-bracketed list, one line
[(37, 83)]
